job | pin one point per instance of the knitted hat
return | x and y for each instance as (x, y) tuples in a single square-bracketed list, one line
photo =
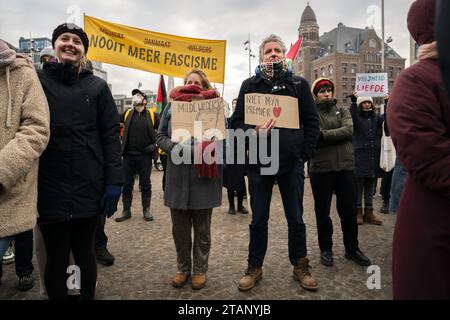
[(421, 18), (71, 28), (319, 83), (47, 52), (364, 99)]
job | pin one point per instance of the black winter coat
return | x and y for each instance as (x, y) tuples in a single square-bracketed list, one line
[(367, 133), (295, 145), (84, 152)]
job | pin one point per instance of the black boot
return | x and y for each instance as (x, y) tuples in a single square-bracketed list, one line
[(242, 209), (104, 257), (146, 197), (126, 213), (385, 207), (232, 209)]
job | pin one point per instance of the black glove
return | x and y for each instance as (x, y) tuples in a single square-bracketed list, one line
[(150, 149), (353, 98)]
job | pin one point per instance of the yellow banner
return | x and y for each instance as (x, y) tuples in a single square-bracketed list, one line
[(152, 51)]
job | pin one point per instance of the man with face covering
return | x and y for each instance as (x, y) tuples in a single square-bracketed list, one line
[(138, 150), (419, 122)]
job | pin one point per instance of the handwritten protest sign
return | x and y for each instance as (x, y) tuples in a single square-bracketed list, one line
[(152, 51), (261, 107), (203, 119), (372, 84)]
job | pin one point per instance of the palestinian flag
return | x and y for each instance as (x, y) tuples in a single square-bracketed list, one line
[(161, 99)]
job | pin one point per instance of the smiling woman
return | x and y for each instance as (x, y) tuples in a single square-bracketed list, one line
[(80, 174)]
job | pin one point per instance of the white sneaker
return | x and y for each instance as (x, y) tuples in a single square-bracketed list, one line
[(8, 257)]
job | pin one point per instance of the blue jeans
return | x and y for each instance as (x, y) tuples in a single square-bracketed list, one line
[(4, 244), (291, 186), (398, 180)]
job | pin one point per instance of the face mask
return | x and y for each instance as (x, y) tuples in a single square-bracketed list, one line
[(137, 100)]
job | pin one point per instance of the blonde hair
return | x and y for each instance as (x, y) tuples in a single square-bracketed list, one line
[(205, 82)]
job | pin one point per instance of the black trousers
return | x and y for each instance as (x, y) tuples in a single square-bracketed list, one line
[(101, 240), (61, 237), (343, 184), (386, 185), (141, 165), (23, 245)]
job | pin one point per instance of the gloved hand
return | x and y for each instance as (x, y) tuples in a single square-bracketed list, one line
[(150, 149), (110, 199)]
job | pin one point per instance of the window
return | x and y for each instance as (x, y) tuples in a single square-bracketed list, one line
[(353, 82), (372, 43), (330, 69), (316, 75), (322, 72), (344, 82), (353, 68), (391, 72), (344, 68), (344, 97)]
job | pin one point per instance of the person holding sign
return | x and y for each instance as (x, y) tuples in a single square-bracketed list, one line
[(296, 146), (80, 172), (192, 191), (332, 170), (367, 126)]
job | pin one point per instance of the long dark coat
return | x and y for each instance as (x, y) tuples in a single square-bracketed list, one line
[(84, 153)]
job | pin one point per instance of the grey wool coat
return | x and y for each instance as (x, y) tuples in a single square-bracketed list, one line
[(184, 189)]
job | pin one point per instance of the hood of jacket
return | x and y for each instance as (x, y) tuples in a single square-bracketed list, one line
[(6, 69)]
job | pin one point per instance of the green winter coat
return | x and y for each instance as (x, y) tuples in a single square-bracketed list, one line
[(335, 150)]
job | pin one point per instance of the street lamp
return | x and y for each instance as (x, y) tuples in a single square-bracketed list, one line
[(250, 55)]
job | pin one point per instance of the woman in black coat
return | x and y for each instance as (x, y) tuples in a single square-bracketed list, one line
[(80, 171), (367, 125), (233, 178)]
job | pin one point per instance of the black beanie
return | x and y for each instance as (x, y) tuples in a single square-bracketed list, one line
[(71, 28)]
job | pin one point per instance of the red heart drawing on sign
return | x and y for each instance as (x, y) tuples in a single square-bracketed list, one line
[(276, 111)]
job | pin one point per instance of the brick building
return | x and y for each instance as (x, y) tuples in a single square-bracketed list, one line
[(342, 53)]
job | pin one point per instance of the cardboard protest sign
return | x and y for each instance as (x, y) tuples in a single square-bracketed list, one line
[(261, 107), (372, 84), (202, 119), (152, 51)]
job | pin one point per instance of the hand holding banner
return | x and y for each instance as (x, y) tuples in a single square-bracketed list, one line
[(262, 107)]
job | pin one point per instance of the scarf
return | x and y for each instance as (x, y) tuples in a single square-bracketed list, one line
[(192, 92), (428, 51), (189, 93), (326, 104), (273, 71)]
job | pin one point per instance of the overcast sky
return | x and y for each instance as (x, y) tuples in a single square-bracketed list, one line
[(230, 20)]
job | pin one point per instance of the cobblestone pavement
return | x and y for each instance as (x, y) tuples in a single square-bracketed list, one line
[(146, 259)]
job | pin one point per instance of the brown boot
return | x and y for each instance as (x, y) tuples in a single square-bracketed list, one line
[(250, 278), (180, 279), (303, 275), (359, 216), (370, 217), (198, 281)]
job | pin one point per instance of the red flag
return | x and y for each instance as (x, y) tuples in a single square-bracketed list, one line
[(294, 49), (161, 99)]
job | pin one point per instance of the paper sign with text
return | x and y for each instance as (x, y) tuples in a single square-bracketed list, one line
[(372, 84), (202, 119), (261, 107)]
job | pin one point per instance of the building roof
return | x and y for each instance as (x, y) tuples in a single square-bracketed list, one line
[(345, 39), (308, 16)]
